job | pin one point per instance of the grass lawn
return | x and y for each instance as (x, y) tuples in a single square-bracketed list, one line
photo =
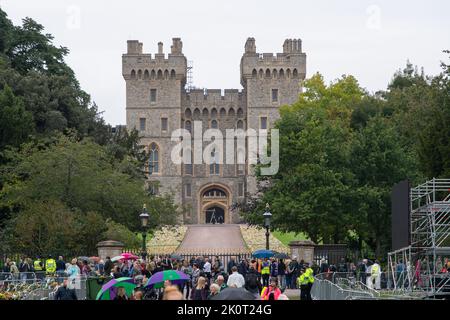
[(285, 238)]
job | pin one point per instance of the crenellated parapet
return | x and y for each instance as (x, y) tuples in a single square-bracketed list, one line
[(137, 65)]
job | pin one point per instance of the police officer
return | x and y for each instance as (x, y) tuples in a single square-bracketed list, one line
[(39, 269), (265, 272), (50, 265)]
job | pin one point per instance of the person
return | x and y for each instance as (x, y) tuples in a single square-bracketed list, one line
[(207, 270), (274, 269), (214, 290), (400, 271), (243, 267), (272, 292), (303, 282), (86, 269), (138, 294), (60, 266), (217, 267), (172, 293), (375, 275), (230, 265), (195, 275), (100, 268), (282, 273), (50, 265), (39, 269), (14, 270), (253, 283), (294, 268), (65, 293), (265, 272), (187, 270), (235, 279), (121, 294), (108, 266), (221, 282), (25, 269), (363, 271), (117, 273), (200, 291), (324, 267), (73, 270), (342, 266), (6, 268)]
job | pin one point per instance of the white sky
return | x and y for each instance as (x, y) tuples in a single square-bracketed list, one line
[(368, 39)]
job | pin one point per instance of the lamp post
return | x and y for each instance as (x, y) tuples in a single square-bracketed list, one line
[(267, 216), (144, 223)]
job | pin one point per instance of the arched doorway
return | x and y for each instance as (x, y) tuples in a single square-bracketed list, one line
[(215, 215), (214, 204)]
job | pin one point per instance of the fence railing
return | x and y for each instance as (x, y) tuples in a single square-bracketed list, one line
[(334, 286)]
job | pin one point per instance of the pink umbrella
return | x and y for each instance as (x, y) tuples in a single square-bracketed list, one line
[(125, 256)]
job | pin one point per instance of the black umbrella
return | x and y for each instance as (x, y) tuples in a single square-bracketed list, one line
[(281, 255), (234, 294)]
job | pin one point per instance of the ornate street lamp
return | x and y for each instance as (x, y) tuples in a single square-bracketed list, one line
[(144, 216), (267, 216)]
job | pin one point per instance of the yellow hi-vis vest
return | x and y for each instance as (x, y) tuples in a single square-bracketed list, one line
[(37, 265), (266, 268), (374, 270), (50, 265), (310, 273)]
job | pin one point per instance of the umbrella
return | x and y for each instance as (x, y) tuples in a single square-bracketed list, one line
[(157, 280), (234, 294), (125, 256), (263, 254), (281, 255), (176, 256), (109, 290)]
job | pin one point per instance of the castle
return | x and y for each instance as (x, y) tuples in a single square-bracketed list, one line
[(158, 102)]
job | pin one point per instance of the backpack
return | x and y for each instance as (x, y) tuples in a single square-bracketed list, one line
[(252, 281)]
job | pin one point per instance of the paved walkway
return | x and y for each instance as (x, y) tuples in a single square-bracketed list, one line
[(209, 238)]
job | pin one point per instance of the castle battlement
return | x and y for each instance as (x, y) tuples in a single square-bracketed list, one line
[(214, 95)]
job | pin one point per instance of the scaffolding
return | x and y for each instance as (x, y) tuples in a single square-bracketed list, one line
[(419, 267), (190, 76)]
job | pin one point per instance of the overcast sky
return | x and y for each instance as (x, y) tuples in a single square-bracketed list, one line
[(368, 39)]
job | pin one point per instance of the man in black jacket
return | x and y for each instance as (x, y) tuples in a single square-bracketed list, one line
[(253, 283), (65, 293), (108, 266)]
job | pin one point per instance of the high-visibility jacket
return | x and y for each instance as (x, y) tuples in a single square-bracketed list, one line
[(310, 273), (37, 265), (50, 265), (374, 270), (265, 267)]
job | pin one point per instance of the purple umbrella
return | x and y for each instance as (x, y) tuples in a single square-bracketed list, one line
[(109, 290), (175, 277)]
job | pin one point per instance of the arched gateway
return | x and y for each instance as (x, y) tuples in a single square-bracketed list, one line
[(214, 204)]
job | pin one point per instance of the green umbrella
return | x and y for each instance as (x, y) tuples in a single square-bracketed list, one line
[(109, 290)]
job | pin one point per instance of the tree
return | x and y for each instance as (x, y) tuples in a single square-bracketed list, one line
[(16, 124)]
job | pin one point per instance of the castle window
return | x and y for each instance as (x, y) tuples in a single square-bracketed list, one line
[(288, 73), (231, 112), (153, 162), (164, 124), (188, 168), (240, 113), (172, 74), (187, 190), (295, 73), (153, 75), (274, 95), (214, 167), (146, 75), (240, 161), (188, 126), (214, 124), (254, 73), (166, 74), (140, 74), (188, 113), (152, 95), (196, 114), (267, 73), (275, 73), (205, 113), (240, 124), (261, 73), (240, 189), (142, 122), (160, 75), (281, 74), (213, 113), (223, 112), (263, 123), (133, 74)]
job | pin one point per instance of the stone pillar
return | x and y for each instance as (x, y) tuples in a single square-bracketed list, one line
[(303, 250), (109, 248)]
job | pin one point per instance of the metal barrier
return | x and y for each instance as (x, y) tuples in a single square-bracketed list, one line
[(324, 289)]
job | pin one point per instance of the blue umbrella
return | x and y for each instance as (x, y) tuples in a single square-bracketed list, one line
[(260, 254)]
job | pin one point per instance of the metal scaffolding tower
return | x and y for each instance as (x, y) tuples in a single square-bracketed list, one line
[(190, 76), (424, 259)]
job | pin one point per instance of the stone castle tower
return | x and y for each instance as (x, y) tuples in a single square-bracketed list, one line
[(157, 103)]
